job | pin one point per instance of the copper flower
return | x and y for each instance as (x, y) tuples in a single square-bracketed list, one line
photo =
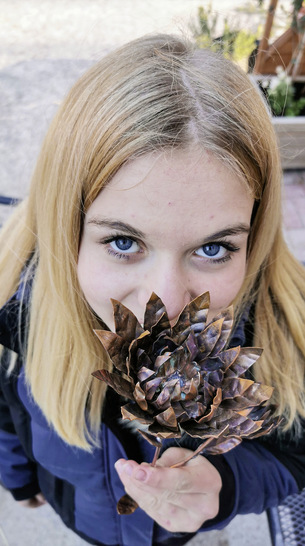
[(181, 379)]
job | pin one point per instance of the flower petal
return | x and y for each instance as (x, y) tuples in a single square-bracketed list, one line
[(172, 363), (138, 346), (235, 386), (258, 393), (191, 345), (227, 316), (156, 314), (144, 373), (151, 386), (246, 358), (139, 396), (228, 357), (222, 361), (116, 347), (163, 432), (126, 323), (161, 359), (132, 411), (192, 317), (189, 390), (163, 400), (188, 410), (167, 418), (193, 430), (222, 446), (208, 338), (117, 382)]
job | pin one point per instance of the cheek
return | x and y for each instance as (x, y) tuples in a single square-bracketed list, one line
[(225, 288), (92, 280), (100, 282)]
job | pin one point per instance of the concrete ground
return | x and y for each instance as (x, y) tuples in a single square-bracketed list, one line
[(42, 527), (45, 47)]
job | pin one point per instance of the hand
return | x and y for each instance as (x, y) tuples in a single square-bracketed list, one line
[(34, 502), (179, 499)]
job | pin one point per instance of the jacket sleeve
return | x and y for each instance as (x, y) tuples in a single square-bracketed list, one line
[(17, 470), (253, 479)]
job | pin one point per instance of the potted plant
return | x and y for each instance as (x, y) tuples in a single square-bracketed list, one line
[(287, 102), (278, 69), (280, 72)]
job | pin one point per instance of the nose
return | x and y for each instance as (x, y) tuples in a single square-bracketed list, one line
[(172, 284)]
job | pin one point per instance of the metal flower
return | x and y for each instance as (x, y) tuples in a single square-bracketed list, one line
[(181, 379)]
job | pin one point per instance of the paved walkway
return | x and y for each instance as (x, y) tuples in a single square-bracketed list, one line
[(42, 527)]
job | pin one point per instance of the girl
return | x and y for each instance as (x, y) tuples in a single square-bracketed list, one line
[(159, 173)]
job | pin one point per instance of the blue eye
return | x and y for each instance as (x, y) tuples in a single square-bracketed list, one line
[(212, 250), (125, 245)]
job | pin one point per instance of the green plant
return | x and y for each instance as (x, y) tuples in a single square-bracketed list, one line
[(251, 7), (280, 93), (234, 43)]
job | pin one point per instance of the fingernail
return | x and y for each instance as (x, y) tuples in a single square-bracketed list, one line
[(141, 475), (119, 465), (127, 468)]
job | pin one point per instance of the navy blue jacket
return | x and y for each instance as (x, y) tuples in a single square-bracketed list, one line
[(84, 487)]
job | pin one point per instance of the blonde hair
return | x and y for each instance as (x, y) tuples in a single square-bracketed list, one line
[(154, 93)]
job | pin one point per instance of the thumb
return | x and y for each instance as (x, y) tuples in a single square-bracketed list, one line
[(173, 455)]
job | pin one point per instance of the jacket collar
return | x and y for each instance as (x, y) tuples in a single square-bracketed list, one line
[(9, 324)]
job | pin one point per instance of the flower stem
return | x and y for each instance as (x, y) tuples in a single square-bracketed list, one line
[(156, 455), (194, 454)]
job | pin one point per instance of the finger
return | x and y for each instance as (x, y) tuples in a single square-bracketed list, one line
[(198, 476), (41, 499), (148, 478)]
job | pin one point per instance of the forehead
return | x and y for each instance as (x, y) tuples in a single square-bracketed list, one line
[(169, 170), (179, 188)]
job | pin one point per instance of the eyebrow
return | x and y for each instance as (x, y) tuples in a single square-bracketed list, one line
[(237, 229), (118, 226)]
